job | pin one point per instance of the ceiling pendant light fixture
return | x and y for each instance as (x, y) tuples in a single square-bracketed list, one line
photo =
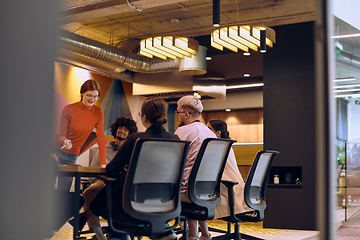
[(263, 40), (168, 47), (216, 13), (262, 32), (243, 38)]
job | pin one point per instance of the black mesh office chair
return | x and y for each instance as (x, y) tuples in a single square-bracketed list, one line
[(254, 197), (203, 190), (151, 195)]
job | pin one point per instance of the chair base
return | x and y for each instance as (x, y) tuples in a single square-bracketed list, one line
[(235, 235), (105, 231)]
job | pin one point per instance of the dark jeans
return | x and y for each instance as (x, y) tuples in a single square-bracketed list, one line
[(64, 202), (98, 205), (64, 183)]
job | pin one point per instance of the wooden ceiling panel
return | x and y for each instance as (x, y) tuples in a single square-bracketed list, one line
[(195, 17), (113, 21)]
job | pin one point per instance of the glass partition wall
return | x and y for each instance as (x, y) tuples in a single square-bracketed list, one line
[(346, 90), (348, 180)]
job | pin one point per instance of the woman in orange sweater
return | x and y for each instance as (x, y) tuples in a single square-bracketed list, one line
[(77, 123)]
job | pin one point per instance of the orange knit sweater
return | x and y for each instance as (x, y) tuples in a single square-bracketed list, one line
[(76, 123)]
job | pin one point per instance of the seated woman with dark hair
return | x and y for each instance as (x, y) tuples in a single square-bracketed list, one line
[(231, 173), (153, 117)]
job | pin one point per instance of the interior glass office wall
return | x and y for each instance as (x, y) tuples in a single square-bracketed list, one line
[(346, 91)]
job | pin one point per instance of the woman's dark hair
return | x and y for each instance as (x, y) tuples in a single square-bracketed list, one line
[(123, 122), (155, 110), (220, 125), (89, 85)]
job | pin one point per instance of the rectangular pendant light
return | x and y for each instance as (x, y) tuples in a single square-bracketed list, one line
[(243, 37), (187, 44), (234, 33), (214, 44), (216, 38), (224, 35), (158, 43), (244, 32), (169, 42), (149, 45), (168, 47)]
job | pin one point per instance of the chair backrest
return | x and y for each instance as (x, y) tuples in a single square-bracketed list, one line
[(254, 192), (205, 177), (152, 186)]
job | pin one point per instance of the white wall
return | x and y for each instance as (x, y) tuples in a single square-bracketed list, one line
[(135, 107), (348, 11)]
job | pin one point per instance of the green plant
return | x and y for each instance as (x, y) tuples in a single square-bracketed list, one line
[(340, 154)]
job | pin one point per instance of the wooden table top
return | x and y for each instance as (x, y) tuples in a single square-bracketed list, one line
[(79, 168)]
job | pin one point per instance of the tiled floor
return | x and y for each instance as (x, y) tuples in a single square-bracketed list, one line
[(257, 230), (345, 231)]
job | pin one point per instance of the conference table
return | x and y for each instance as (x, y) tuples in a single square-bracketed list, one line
[(78, 171)]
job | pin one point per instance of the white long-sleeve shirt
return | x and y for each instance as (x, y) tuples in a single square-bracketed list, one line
[(194, 132)]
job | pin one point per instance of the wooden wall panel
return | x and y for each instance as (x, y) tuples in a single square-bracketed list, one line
[(246, 154), (243, 125), (244, 171)]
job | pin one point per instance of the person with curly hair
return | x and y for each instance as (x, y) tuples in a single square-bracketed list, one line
[(120, 129)]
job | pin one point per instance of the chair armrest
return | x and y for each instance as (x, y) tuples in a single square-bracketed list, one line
[(230, 187), (229, 184), (106, 179), (109, 181)]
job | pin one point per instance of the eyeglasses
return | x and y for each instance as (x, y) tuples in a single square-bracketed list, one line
[(91, 96), (177, 112)]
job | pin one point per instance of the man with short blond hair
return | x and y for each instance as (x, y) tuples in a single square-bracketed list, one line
[(192, 129)]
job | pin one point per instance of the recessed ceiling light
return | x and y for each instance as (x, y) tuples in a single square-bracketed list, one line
[(246, 53), (344, 79), (347, 95), (208, 58), (246, 74), (347, 86), (197, 95), (228, 110), (245, 86), (347, 35), (348, 90), (175, 20)]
